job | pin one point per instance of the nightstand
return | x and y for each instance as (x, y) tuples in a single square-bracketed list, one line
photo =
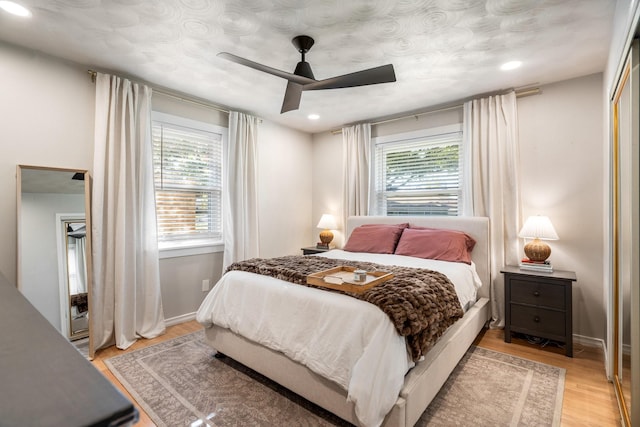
[(312, 250), (539, 304)]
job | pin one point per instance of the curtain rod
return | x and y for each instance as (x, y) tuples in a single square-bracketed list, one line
[(93, 74), (519, 94)]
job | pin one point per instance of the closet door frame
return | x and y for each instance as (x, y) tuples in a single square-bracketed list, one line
[(625, 235)]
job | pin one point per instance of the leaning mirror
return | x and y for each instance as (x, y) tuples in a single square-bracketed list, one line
[(54, 245)]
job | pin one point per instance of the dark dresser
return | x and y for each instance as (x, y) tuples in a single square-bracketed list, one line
[(539, 304), (45, 380)]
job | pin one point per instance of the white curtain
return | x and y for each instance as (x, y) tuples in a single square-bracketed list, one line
[(493, 125), (356, 143), (126, 287), (240, 219)]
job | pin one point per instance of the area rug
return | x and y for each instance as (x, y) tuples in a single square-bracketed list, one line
[(180, 383), (82, 345)]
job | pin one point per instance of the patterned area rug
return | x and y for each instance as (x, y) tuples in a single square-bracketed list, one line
[(83, 346), (180, 383)]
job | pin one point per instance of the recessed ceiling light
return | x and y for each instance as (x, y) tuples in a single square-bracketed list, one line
[(15, 9), (511, 65), (313, 117)]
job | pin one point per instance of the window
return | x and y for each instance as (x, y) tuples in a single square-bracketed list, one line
[(418, 173), (187, 162)]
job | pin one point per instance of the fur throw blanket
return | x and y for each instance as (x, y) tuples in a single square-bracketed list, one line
[(421, 303)]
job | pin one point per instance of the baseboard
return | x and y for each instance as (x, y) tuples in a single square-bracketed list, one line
[(180, 319), (589, 341), (598, 343)]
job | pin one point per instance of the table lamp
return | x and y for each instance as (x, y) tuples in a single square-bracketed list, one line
[(538, 228), (327, 223)]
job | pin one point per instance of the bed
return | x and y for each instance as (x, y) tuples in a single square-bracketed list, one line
[(414, 385)]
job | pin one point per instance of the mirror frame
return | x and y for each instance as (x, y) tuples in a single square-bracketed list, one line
[(88, 245)]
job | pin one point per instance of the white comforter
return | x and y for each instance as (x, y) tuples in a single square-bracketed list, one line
[(346, 340)]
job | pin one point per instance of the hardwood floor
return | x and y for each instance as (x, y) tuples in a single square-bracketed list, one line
[(589, 399)]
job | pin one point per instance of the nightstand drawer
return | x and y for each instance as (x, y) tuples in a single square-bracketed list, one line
[(536, 293), (537, 320)]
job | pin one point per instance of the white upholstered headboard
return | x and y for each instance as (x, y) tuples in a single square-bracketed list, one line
[(475, 226)]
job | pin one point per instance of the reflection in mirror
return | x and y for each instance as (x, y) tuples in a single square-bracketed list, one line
[(54, 245), (75, 261)]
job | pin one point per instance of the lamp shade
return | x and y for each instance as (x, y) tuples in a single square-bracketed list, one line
[(538, 227), (327, 222)]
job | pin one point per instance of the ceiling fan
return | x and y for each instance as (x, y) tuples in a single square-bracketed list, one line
[(302, 78)]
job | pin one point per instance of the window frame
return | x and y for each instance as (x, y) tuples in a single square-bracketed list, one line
[(172, 248), (407, 137)]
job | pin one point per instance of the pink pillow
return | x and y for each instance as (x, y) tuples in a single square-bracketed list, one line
[(432, 243), (374, 238)]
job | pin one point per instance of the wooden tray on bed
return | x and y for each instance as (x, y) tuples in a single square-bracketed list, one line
[(341, 279)]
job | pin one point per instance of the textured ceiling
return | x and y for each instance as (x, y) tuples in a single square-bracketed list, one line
[(442, 50), (50, 181)]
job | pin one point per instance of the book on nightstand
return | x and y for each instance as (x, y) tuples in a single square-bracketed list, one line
[(544, 266)]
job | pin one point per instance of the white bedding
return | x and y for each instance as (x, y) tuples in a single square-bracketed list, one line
[(366, 356)]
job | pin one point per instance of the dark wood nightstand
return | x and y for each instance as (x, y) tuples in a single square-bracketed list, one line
[(539, 304), (312, 250)]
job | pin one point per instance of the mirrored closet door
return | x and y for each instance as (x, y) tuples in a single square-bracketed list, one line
[(625, 232), (54, 245)]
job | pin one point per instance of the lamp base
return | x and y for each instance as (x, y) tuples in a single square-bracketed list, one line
[(326, 236), (537, 250)]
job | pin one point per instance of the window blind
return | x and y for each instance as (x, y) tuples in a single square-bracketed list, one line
[(188, 180), (419, 176)]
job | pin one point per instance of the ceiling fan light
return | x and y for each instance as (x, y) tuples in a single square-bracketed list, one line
[(313, 116), (15, 9), (511, 65)]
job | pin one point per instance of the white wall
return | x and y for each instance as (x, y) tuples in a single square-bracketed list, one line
[(284, 183), (327, 184), (46, 119), (562, 177)]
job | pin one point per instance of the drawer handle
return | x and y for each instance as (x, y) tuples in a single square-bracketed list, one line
[(536, 319), (536, 293)]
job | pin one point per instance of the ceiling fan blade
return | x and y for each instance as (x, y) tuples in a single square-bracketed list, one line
[(371, 76), (260, 67), (291, 97)]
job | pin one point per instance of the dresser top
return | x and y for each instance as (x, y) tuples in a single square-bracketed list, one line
[(556, 274), (45, 379)]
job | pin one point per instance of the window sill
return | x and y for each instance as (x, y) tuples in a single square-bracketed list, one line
[(189, 248)]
